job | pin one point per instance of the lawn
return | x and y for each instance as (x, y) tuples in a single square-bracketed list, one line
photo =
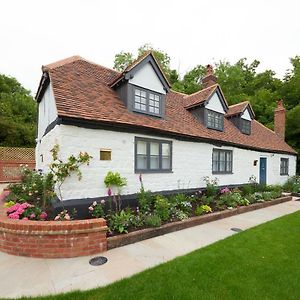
[(260, 263)]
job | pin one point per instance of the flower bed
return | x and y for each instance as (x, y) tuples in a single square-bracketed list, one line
[(139, 235), (51, 239)]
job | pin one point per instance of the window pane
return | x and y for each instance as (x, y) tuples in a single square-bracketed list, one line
[(143, 107), (154, 148), (154, 162), (165, 149), (143, 94), (141, 147), (166, 162), (141, 163), (215, 166)]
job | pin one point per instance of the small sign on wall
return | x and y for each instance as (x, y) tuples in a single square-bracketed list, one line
[(105, 154)]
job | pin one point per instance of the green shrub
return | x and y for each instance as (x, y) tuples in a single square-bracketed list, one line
[(162, 207), (35, 188), (231, 199), (267, 196), (247, 189), (202, 209), (292, 184), (153, 221), (274, 188), (251, 198), (179, 214), (207, 200), (145, 200), (114, 179), (120, 221), (137, 220)]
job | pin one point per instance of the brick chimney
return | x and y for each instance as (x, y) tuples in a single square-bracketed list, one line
[(279, 119), (209, 79)]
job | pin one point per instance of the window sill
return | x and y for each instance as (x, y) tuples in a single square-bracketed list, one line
[(222, 173), (284, 174), (152, 171)]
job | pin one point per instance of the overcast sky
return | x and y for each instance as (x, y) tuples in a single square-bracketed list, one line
[(33, 33)]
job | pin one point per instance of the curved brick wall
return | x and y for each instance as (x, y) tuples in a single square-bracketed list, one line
[(52, 239)]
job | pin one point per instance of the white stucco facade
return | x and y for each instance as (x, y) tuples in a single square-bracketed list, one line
[(191, 161), (147, 78), (47, 111), (215, 104)]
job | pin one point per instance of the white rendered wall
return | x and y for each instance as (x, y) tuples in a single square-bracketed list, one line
[(215, 104), (47, 111), (148, 79), (246, 115), (191, 162)]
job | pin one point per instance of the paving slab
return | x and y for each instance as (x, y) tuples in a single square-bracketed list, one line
[(21, 276)]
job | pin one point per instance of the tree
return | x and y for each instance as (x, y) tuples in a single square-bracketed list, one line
[(18, 114)]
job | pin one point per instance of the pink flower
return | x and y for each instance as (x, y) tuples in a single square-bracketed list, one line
[(43, 215), (32, 216), (102, 201), (67, 217), (91, 208), (25, 219), (109, 192), (24, 205), (56, 218), (225, 190), (14, 216), (13, 208)]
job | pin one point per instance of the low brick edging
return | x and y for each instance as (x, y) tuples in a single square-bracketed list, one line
[(52, 239), (143, 234)]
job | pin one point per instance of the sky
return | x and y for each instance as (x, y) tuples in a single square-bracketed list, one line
[(34, 33)]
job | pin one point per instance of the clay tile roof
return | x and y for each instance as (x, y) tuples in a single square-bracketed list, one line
[(82, 92), (199, 97), (237, 108)]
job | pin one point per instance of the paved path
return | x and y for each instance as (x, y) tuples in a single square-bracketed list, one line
[(32, 276)]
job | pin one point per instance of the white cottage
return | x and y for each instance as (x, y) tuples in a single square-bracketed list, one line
[(134, 123)]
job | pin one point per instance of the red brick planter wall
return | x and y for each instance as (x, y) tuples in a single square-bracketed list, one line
[(52, 239)]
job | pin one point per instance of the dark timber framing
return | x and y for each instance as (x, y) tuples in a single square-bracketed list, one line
[(148, 169)]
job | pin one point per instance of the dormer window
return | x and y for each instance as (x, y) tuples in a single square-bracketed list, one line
[(245, 126), (214, 120), (147, 102)]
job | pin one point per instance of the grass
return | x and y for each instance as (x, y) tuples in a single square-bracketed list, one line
[(260, 263)]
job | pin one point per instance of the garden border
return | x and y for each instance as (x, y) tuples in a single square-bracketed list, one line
[(52, 239), (143, 234)]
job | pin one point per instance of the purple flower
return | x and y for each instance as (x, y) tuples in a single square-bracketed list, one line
[(43, 215), (225, 190), (109, 192)]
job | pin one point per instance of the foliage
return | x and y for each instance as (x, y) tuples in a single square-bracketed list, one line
[(61, 170), (179, 214), (211, 186), (153, 220), (26, 211), (207, 200), (292, 184), (202, 209), (114, 181), (120, 221), (145, 200), (231, 199), (138, 219), (35, 188), (18, 114), (247, 189), (123, 60), (96, 209), (162, 207), (182, 203)]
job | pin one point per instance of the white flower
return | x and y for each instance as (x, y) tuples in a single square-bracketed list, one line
[(94, 203)]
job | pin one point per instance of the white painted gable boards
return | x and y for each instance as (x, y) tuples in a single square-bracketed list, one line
[(215, 104), (148, 79), (246, 115)]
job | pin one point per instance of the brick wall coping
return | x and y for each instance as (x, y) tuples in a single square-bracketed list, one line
[(51, 239)]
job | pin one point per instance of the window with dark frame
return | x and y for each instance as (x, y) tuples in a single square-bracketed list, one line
[(147, 101), (153, 155), (245, 126), (214, 120), (221, 161), (284, 166)]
